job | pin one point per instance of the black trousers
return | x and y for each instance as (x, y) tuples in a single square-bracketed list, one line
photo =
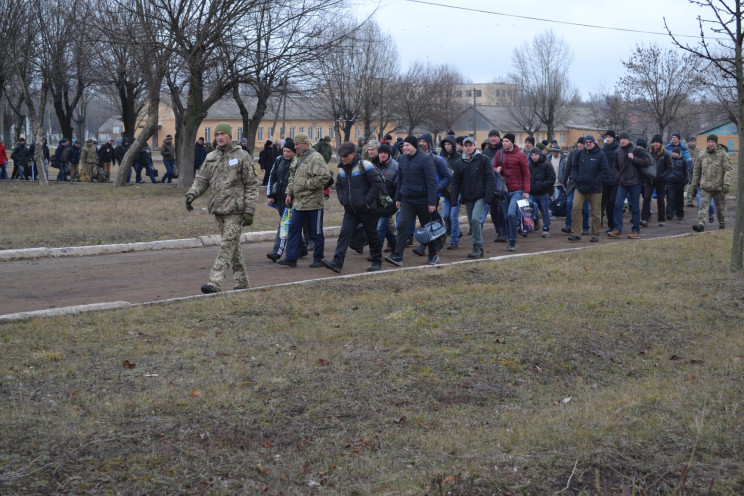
[(348, 226), (609, 193), (408, 214)]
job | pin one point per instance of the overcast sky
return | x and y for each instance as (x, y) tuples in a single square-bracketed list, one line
[(481, 44)]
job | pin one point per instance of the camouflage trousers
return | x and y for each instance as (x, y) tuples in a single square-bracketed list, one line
[(719, 198), (230, 254)]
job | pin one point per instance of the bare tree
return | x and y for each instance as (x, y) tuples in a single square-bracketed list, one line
[(725, 53), (522, 111), (446, 107), (416, 99), (659, 82), (611, 111), (543, 75)]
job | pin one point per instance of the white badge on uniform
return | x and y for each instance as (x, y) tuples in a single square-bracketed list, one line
[(233, 161)]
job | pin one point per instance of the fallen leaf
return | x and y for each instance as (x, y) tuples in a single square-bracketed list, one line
[(421, 302), (195, 394), (217, 332), (676, 357), (449, 479), (304, 469), (262, 469), (128, 365), (321, 362), (267, 443)]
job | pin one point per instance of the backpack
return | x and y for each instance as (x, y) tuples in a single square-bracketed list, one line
[(383, 199), (648, 172)]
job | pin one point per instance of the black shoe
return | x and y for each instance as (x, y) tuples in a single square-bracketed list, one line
[(409, 243), (594, 239), (452, 246), (358, 249), (669, 217), (644, 223), (711, 219), (388, 250), (573, 237), (395, 260), (208, 289), (330, 264), (311, 246), (315, 265), (419, 250), (302, 254), (433, 259), (584, 233), (721, 226), (698, 227), (512, 246), (476, 253), (286, 262), (500, 239), (374, 267), (273, 256), (566, 230)]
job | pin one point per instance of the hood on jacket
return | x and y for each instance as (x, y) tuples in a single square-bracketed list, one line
[(427, 137)]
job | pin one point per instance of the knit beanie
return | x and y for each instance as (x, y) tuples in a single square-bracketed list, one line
[(712, 137), (223, 127), (411, 140), (384, 148), (624, 135), (657, 139), (528, 139), (289, 145), (610, 133), (510, 137), (494, 132)]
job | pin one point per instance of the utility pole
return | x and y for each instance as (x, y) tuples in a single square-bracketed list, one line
[(475, 119)]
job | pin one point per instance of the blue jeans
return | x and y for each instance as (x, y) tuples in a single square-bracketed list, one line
[(584, 213), (543, 203), (452, 212), (475, 212), (384, 232), (511, 213), (633, 194), (169, 167), (3, 171), (295, 233), (63, 171)]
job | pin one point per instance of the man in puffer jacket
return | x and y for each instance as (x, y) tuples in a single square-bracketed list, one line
[(515, 170), (358, 187), (542, 179), (589, 171), (676, 186)]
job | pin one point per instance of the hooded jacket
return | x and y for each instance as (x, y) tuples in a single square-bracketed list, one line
[(389, 171), (308, 180), (610, 149), (590, 170), (473, 178), (358, 185), (276, 188), (542, 177), (663, 162), (417, 179), (267, 156), (626, 170)]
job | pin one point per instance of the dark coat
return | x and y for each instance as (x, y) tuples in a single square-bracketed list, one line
[(266, 157), (389, 171), (542, 177), (679, 171), (107, 152), (625, 170), (73, 156), (590, 170), (358, 185), (473, 178), (417, 179), (21, 155), (200, 153), (278, 179), (663, 163), (610, 150)]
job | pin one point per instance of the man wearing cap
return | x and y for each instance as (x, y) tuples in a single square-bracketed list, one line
[(308, 178), (168, 152), (609, 190), (589, 171), (228, 173), (20, 157), (324, 148), (712, 174), (415, 196), (89, 159), (625, 166), (663, 161), (61, 154), (357, 187), (3, 160), (473, 180), (514, 168), (276, 193), (107, 153)]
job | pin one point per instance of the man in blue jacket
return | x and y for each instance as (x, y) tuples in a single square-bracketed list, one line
[(444, 179), (415, 196), (590, 171)]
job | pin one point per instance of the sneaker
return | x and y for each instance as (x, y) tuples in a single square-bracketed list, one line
[(409, 243), (208, 289), (573, 237), (452, 246), (545, 233), (287, 263), (395, 260), (644, 223), (698, 227), (500, 239), (330, 264), (566, 230), (721, 226), (433, 259), (634, 235), (316, 265), (594, 239), (420, 250), (512, 246), (614, 234), (476, 253), (273, 256), (661, 224), (374, 267)]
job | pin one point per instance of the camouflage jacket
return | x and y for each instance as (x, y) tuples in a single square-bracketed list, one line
[(232, 179), (712, 170), (88, 155), (307, 182)]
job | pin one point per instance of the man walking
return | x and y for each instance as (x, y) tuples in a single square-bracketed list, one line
[(89, 159), (108, 154), (228, 172), (168, 151), (590, 171), (712, 174), (625, 166)]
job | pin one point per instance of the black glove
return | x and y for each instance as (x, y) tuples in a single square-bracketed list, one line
[(247, 219), (189, 200)]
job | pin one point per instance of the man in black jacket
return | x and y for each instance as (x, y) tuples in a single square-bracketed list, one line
[(663, 168), (20, 157), (542, 179), (358, 186), (625, 165), (276, 193), (107, 152)]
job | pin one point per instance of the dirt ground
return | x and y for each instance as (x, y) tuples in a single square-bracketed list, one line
[(159, 275)]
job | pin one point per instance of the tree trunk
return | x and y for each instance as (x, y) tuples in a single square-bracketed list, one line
[(737, 246), (128, 102), (39, 153)]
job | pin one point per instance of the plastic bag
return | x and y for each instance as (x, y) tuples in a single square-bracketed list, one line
[(284, 225)]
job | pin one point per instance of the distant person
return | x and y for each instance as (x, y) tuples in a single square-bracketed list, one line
[(228, 173), (324, 148), (89, 159), (200, 153), (168, 151), (276, 194), (107, 153), (3, 160), (712, 174), (20, 157), (73, 160), (589, 170), (266, 160), (61, 154)]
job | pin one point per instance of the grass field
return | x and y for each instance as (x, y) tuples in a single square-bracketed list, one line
[(615, 370)]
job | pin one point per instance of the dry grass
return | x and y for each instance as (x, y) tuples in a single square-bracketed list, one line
[(75, 214), (454, 380)]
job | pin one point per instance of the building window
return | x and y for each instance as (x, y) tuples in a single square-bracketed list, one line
[(320, 132), (271, 133), (330, 131), (240, 132), (477, 93), (292, 132), (208, 134), (310, 133), (458, 94), (302, 129), (563, 137), (469, 93), (356, 131), (260, 134), (498, 93)]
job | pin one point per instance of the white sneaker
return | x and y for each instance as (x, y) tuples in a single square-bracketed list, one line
[(545, 233)]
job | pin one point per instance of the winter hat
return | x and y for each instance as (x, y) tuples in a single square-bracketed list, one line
[(89, 140), (657, 139), (589, 138), (540, 146), (289, 145), (555, 148), (677, 150), (494, 132), (510, 137), (623, 135), (580, 140), (327, 139), (640, 142), (411, 140), (169, 137), (468, 139), (427, 137), (459, 139), (372, 144), (301, 139), (535, 151), (346, 148), (610, 133), (223, 127), (712, 137), (528, 139), (692, 138), (675, 133), (384, 148)]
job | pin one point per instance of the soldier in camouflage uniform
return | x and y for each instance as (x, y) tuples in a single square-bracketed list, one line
[(229, 172), (712, 174), (89, 159), (308, 177)]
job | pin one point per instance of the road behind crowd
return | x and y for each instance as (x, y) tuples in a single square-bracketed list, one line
[(149, 276)]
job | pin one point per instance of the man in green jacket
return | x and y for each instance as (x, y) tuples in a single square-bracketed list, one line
[(228, 171), (324, 148), (712, 174)]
